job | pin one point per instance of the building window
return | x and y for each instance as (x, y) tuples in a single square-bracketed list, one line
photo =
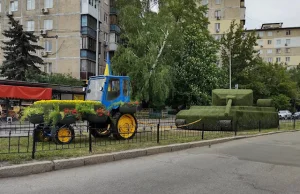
[(204, 2), (13, 5), (218, 37), (217, 27), (269, 51), (48, 46), (260, 42), (278, 51), (287, 50), (30, 26), (288, 59), (105, 18), (270, 60), (278, 42), (0, 6), (260, 34), (218, 2), (260, 51), (48, 24), (278, 59), (105, 37), (269, 41), (288, 32), (48, 68), (48, 3), (270, 33), (218, 14), (89, 43), (30, 4), (87, 69), (288, 42)]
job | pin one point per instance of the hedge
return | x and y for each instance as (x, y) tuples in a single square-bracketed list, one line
[(239, 97), (265, 103)]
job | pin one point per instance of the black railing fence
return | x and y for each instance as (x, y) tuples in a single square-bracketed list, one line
[(19, 138)]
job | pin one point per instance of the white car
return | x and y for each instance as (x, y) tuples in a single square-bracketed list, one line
[(284, 114)]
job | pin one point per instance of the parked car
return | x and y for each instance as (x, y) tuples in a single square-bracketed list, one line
[(296, 115), (285, 114)]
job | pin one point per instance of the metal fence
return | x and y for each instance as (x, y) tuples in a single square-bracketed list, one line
[(18, 138)]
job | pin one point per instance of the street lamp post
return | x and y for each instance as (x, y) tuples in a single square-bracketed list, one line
[(97, 39), (230, 69)]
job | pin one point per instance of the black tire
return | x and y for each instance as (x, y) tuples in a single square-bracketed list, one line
[(100, 130), (68, 137), (115, 130), (40, 131)]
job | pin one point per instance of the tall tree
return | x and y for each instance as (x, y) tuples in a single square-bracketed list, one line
[(19, 52), (237, 46)]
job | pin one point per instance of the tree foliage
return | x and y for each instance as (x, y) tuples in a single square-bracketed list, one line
[(19, 52), (56, 78)]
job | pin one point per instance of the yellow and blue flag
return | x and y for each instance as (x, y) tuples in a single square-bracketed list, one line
[(108, 66)]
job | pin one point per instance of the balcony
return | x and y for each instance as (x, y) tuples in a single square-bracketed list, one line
[(115, 28), (88, 31), (86, 8), (114, 11), (243, 14), (88, 55)]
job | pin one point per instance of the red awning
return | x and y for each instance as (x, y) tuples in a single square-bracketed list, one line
[(23, 92)]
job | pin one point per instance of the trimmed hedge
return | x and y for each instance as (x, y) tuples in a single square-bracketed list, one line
[(239, 97), (265, 103)]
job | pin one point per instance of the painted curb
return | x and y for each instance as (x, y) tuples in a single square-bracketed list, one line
[(47, 166)]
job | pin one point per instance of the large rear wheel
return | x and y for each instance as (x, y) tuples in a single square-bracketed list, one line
[(63, 134), (100, 130), (125, 127)]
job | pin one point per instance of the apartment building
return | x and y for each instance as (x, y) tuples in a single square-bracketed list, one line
[(67, 30), (279, 44), (222, 12)]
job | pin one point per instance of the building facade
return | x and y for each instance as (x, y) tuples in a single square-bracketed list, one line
[(222, 12), (67, 31), (278, 44)]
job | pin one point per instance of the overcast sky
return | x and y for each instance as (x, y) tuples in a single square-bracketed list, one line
[(272, 11)]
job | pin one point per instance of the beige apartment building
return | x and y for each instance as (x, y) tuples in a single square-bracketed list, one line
[(222, 12), (278, 44), (67, 30)]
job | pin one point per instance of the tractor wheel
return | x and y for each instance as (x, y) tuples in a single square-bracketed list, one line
[(40, 131), (125, 126), (100, 130), (63, 134)]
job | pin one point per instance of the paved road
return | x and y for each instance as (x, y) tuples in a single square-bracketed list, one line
[(263, 165)]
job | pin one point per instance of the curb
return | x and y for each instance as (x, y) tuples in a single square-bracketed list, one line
[(47, 166)]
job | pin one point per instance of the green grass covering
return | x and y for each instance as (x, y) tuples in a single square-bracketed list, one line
[(228, 107), (265, 103), (240, 97), (253, 108)]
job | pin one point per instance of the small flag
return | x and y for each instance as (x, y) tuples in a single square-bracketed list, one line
[(108, 67)]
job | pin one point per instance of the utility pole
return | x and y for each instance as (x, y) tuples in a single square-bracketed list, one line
[(97, 39), (229, 68)]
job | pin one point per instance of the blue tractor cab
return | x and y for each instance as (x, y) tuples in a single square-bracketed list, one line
[(110, 90)]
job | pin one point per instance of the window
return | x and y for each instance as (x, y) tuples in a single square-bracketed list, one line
[(260, 42), (48, 68), (218, 14), (288, 59), (217, 27), (218, 37), (270, 60), (48, 3), (269, 51), (0, 6), (105, 18), (88, 43), (288, 41), (113, 89), (218, 1), (48, 46), (269, 41), (287, 50), (270, 33), (288, 32), (30, 4), (260, 51), (204, 2), (278, 51), (105, 37), (48, 24), (260, 34), (278, 42), (126, 88), (30, 26), (13, 5), (278, 59)]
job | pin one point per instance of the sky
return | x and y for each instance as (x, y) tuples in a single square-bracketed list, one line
[(272, 11)]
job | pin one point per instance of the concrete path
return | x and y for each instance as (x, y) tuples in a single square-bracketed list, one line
[(264, 165)]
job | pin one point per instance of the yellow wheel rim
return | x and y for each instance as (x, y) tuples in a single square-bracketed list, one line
[(126, 126), (64, 135)]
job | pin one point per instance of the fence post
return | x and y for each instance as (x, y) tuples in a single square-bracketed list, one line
[(259, 126), (236, 128), (90, 139), (33, 143), (294, 123), (157, 138)]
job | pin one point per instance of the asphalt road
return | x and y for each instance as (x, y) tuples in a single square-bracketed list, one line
[(263, 165)]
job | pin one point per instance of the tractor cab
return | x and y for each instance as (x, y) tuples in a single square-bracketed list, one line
[(108, 89)]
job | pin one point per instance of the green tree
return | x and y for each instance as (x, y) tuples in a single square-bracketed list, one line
[(55, 78), (238, 46), (19, 52)]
